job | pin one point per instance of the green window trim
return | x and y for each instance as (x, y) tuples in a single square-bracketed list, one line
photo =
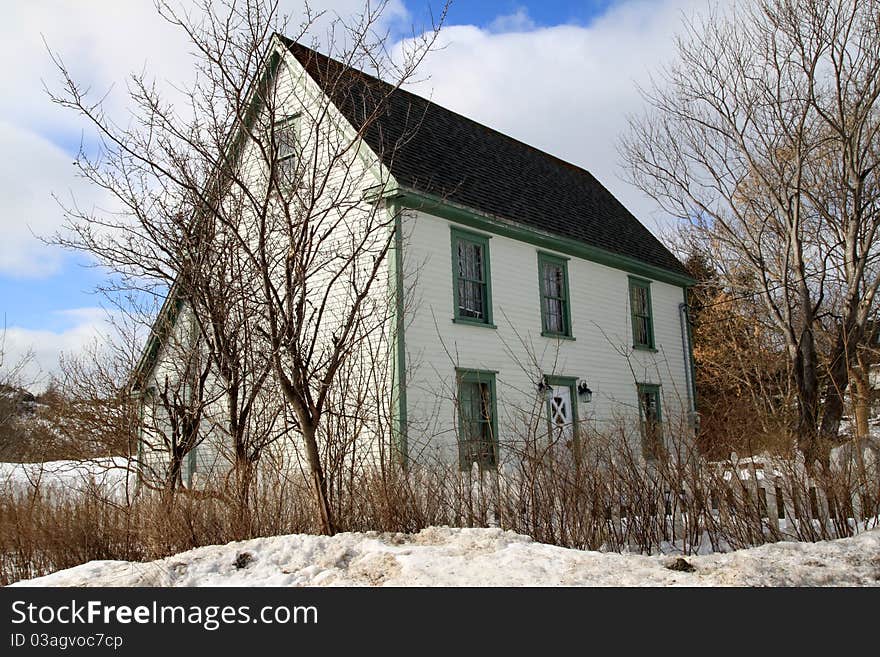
[(191, 465), (485, 453), (561, 299), (642, 318), (652, 436), (480, 280), (569, 382)]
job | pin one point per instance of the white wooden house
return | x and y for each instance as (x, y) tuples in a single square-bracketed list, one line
[(523, 290)]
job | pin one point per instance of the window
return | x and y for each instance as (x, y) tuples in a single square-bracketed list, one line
[(553, 282), (814, 504), (471, 283), (651, 419), (762, 501), (477, 425), (286, 136), (780, 503), (640, 307)]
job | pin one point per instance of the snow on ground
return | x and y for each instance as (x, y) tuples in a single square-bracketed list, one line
[(109, 474), (440, 556)]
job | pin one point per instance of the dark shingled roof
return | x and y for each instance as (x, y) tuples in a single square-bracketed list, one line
[(433, 150)]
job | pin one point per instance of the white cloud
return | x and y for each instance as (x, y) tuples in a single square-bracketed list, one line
[(519, 21), (45, 347), (102, 42), (565, 89), (31, 169)]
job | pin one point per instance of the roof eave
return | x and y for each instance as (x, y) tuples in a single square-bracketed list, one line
[(506, 227)]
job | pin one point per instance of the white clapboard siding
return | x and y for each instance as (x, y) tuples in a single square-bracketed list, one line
[(600, 353), (352, 175)]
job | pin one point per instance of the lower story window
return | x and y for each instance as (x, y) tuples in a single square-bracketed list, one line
[(651, 420), (477, 434)]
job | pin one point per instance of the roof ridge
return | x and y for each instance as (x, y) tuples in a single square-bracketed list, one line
[(443, 107), (462, 158)]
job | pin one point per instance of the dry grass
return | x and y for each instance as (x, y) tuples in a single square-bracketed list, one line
[(607, 499)]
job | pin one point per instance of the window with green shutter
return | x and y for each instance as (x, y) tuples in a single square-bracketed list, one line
[(472, 283), (555, 304), (477, 422), (640, 309)]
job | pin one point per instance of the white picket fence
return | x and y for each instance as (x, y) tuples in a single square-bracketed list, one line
[(786, 505), (744, 503)]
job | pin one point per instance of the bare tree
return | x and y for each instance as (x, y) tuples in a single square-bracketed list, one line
[(253, 212), (11, 390), (763, 137), (90, 404)]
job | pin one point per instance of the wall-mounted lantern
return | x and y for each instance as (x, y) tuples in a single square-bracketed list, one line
[(584, 392), (545, 388)]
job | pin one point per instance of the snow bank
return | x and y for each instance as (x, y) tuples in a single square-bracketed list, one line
[(440, 556), (110, 475)]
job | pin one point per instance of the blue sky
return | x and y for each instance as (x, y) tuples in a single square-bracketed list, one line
[(550, 12), (541, 71)]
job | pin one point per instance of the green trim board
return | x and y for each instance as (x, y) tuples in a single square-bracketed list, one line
[(690, 348), (483, 278), (399, 348), (232, 152), (506, 228), (139, 452), (636, 315), (463, 378), (191, 461), (564, 299), (165, 321)]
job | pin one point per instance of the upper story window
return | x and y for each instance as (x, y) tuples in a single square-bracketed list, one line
[(640, 309), (471, 284), (555, 305), (286, 138)]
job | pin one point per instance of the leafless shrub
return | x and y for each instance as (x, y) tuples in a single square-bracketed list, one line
[(602, 496)]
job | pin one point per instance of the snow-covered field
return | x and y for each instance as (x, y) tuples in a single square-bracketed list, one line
[(440, 556), (112, 475)]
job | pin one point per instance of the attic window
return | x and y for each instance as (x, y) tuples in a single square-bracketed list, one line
[(286, 137)]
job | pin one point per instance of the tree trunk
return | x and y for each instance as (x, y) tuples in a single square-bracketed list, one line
[(861, 400), (175, 469), (843, 357), (243, 480), (243, 464), (319, 482), (807, 382)]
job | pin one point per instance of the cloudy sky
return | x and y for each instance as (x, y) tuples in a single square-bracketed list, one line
[(558, 74)]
